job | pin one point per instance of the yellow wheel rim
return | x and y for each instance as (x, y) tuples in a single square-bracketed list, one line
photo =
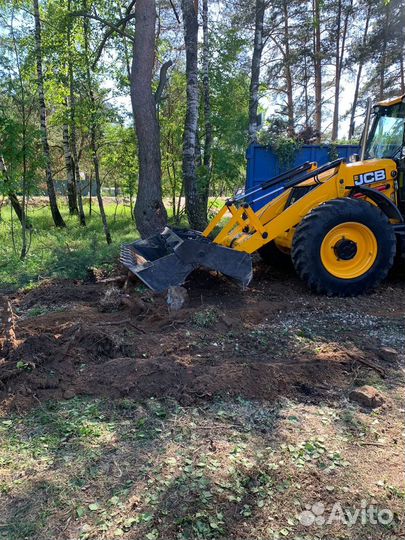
[(349, 250)]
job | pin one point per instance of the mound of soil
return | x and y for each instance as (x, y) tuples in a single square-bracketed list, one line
[(275, 339)]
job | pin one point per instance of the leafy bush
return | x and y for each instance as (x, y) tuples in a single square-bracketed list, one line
[(285, 148)]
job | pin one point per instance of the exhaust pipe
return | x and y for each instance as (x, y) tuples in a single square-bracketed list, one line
[(364, 136)]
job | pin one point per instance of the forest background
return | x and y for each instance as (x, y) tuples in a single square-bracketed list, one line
[(118, 117)]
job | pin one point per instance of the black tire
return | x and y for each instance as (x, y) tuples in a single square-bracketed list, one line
[(310, 233), (273, 256)]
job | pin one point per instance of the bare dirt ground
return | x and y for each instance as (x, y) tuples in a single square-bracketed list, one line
[(241, 400)]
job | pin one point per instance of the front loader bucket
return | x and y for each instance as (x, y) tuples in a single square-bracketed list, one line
[(166, 259)]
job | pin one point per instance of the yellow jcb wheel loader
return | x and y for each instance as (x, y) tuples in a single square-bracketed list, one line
[(342, 223)]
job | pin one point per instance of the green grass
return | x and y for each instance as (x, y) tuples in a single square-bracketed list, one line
[(63, 253)]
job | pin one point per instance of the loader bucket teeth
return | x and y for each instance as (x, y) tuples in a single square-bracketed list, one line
[(166, 259)]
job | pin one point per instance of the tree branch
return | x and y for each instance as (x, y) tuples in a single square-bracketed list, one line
[(109, 33), (115, 26), (175, 11), (122, 22), (129, 7), (162, 80)]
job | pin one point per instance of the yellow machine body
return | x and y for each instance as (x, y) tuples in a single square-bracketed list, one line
[(341, 223), (248, 231)]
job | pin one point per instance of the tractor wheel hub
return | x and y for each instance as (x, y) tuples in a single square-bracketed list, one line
[(345, 249)]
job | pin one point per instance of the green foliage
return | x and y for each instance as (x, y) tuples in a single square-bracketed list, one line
[(66, 253), (314, 451), (332, 152), (275, 136), (19, 129), (229, 79), (119, 158), (85, 89), (284, 147), (172, 112), (24, 366)]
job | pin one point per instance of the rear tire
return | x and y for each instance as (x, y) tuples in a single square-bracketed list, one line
[(344, 247)]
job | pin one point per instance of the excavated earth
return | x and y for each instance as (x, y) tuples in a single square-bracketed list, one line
[(274, 339)]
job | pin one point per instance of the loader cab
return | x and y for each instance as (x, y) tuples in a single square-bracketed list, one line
[(386, 137), (386, 140)]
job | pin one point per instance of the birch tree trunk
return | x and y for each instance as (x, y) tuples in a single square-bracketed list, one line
[(94, 129), (96, 162), (207, 160), (73, 142), (56, 215), (126, 51), (150, 214), (255, 70), (316, 7), (195, 206), (71, 187), (73, 137)]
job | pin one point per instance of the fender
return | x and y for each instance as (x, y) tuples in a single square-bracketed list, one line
[(382, 201)]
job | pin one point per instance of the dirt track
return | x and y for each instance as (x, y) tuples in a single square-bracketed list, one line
[(273, 340)]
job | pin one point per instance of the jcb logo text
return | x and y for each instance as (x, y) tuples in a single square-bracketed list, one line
[(370, 177)]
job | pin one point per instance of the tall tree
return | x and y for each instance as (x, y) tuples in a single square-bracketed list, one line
[(19, 135), (207, 160), (342, 25), (384, 49), (360, 65), (72, 132), (56, 215), (317, 55), (384, 43), (150, 213), (402, 50), (287, 69), (195, 206), (70, 173), (260, 6)]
